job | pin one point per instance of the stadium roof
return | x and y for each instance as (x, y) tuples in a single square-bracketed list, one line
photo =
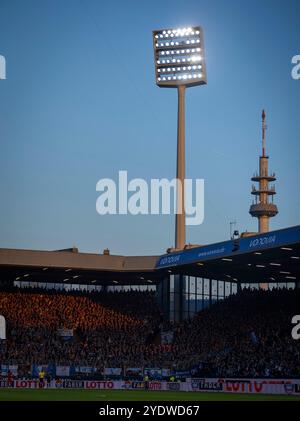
[(70, 266), (269, 257)]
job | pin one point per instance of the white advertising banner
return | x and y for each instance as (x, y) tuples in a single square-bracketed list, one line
[(5, 368), (258, 386), (113, 371), (62, 370)]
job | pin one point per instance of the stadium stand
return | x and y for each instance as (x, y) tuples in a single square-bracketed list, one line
[(245, 335)]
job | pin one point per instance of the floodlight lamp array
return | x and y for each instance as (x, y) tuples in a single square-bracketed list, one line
[(179, 57)]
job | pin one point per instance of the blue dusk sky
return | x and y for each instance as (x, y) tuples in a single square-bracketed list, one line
[(80, 103)]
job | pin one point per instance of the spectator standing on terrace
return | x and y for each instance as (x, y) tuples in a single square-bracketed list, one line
[(41, 378)]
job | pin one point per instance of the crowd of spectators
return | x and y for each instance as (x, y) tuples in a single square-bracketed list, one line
[(245, 335), (102, 334)]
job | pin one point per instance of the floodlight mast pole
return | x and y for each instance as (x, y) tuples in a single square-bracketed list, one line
[(178, 64), (180, 173)]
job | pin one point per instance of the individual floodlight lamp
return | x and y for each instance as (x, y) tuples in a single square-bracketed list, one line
[(179, 63)]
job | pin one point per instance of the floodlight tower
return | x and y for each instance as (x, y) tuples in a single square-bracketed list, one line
[(179, 63)]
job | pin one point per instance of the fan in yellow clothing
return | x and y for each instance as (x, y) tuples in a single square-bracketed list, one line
[(41, 378), (146, 382)]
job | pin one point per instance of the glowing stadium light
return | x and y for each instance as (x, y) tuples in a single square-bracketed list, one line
[(180, 37), (195, 58), (173, 43)]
